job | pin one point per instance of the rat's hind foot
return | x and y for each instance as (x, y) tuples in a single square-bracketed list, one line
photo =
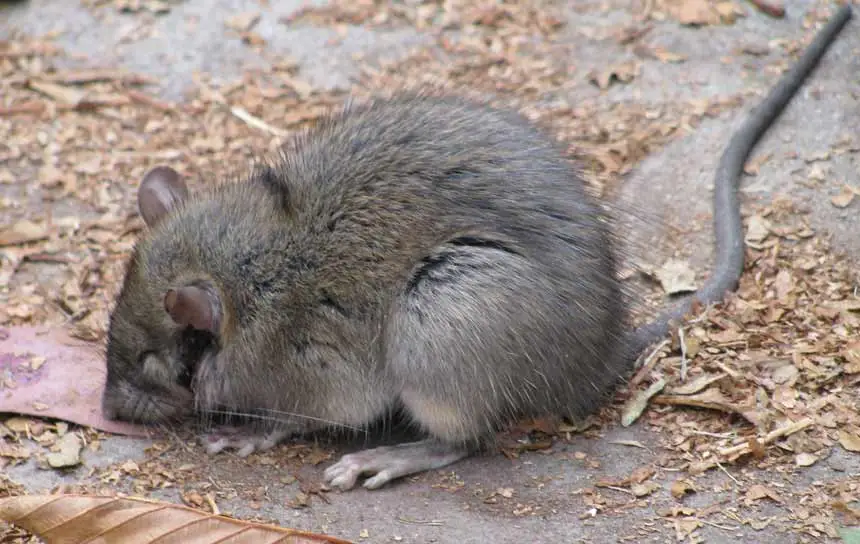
[(243, 442), (389, 463)]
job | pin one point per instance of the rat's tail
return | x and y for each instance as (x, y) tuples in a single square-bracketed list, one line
[(728, 228)]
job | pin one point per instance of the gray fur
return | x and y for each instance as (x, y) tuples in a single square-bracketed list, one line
[(429, 251)]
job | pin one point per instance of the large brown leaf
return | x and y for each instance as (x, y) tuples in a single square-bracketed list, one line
[(70, 519)]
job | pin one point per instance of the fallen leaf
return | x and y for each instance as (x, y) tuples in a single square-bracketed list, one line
[(850, 441), (14, 452), (711, 399), (697, 385), (243, 22), (758, 492), (642, 490), (635, 406), (783, 284), (758, 228), (23, 232), (68, 454), (774, 8), (136, 520), (752, 167), (818, 156), (694, 12), (664, 55), (65, 95), (680, 488), (844, 198), (623, 73), (805, 459), (676, 276)]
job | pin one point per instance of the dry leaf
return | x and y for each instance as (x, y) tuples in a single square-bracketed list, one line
[(22, 232), (850, 441), (805, 459), (676, 276), (758, 492), (694, 12), (78, 518), (65, 95), (774, 8), (642, 490), (844, 198), (635, 406), (697, 385), (680, 488), (758, 228), (711, 399), (68, 452), (664, 55), (623, 73), (243, 22)]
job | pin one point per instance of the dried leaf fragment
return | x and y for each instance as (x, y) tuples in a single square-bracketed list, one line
[(680, 488), (849, 441), (774, 8), (60, 93), (243, 22), (711, 399), (758, 229), (623, 73), (805, 459), (68, 452), (78, 518), (758, 492), (666, 56), (698, 384), (676, 276), (22, 232), (638, 403), (845, 197)]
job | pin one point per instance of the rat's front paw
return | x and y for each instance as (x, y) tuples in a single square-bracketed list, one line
[(244, 443)]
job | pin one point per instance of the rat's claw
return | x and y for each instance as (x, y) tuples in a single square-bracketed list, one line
[(244, 444), (383, 462), (388, 463)]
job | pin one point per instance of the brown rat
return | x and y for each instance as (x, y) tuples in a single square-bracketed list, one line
[(430, 253)]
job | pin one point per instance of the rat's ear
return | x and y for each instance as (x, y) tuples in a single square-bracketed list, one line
[(196, 306), (160, 190)]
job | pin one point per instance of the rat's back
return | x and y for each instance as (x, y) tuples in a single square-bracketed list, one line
[(390, 179)]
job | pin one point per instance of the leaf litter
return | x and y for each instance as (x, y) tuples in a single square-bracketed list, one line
[(767, 380)]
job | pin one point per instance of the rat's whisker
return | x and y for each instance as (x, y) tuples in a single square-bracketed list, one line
[(274, 418)]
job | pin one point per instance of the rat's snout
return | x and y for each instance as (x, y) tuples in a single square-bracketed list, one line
[(125, 402)]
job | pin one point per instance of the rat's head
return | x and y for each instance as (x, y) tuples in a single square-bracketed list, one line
[(168, 316)]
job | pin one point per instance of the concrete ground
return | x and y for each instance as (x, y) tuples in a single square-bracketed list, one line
[(546, 504)]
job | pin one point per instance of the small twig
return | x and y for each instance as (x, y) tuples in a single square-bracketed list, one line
[(255, 122), (31, 106), (435, 522), (770, 7), (211, 501), (616, 488), (717, 525), (146, 100), (770, 438), (721, 467), (683, 354), (648, 364)]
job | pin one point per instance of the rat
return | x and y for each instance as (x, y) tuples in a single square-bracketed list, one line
[(427, 254)]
